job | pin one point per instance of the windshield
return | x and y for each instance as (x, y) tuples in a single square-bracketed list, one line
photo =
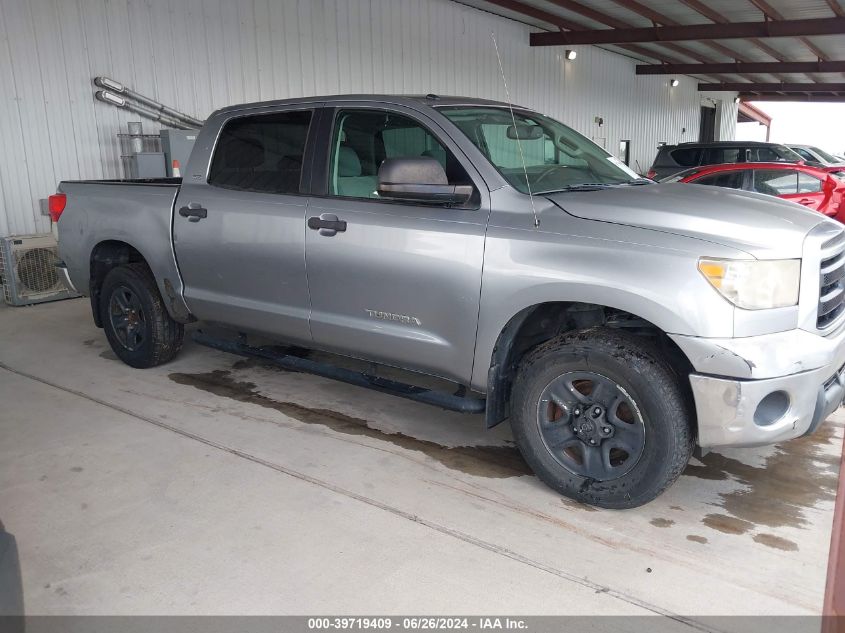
[(556, 157), (825, 156)]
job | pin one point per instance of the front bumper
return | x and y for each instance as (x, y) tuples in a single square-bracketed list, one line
[(745, 394)]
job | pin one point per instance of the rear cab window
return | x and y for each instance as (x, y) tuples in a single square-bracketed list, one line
[(262, 153)]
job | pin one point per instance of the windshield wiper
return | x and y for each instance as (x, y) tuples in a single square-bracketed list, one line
[(639, 181), (584, 186)]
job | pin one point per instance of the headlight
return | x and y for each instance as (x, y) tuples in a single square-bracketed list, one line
[(754, 284)]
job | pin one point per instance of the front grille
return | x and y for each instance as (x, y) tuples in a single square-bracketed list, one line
[(832, 282)]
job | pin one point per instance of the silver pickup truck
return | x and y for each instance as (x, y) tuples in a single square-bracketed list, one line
[(614, 322)]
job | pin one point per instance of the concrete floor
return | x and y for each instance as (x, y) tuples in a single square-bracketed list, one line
[(213, 485)]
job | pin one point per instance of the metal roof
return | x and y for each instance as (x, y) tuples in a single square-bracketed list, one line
[(774, 32)]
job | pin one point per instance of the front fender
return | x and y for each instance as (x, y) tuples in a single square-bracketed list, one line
[(656, 282)]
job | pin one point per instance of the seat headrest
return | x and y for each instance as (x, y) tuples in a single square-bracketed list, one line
[(348, 163)]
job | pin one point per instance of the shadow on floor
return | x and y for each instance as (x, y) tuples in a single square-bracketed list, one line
[(11, 587)]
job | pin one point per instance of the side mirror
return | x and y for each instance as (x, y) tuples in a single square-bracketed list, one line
[(419, 179)]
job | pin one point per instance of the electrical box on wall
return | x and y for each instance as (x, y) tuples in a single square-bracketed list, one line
[(177, 146)]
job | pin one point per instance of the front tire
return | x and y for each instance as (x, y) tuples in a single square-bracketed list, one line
[(138, 327), (601, 418)]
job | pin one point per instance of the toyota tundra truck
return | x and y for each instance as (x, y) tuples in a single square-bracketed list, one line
[(615, 323)]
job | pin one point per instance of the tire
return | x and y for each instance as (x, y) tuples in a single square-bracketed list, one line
[(632, 451), (152, 337)]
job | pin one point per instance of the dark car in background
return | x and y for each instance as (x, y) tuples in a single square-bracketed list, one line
[(811, 187), (674, 158)]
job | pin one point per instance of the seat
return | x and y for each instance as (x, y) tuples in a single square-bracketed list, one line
[(350, 181)]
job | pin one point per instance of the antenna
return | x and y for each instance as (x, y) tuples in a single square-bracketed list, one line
[(518, 141)]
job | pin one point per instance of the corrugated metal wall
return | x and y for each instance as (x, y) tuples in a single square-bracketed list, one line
[(198, 55)]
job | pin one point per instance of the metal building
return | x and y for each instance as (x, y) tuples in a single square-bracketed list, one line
[(199, 55)]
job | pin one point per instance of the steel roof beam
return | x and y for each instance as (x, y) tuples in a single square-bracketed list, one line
[(776, 87), (658, 18), (616, 23), (793, 97), (681, 33), (563, 23), (741, 67)]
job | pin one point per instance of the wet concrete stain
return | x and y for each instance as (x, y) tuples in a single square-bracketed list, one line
[(577, 505), (727, 524), (77, 469), (695, 538), (108, 355), (483, 461), (796, 477), (91, 342), (662, 523), (770, 540)]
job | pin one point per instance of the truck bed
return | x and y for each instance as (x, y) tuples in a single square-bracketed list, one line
[(135, 212)]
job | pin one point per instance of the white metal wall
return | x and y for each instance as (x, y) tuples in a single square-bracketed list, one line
[(199, 55)]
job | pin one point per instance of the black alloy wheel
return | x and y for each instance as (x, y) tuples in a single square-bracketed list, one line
[(126, 316), (591, 425)]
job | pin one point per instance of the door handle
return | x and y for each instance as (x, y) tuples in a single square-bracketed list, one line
[(327, 224), (194, 212), (805, 201)]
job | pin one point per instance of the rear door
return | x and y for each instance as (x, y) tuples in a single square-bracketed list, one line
[(400, 283), (790, 184), (239, 226)]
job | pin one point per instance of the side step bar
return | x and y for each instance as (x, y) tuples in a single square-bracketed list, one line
[(452, 402)]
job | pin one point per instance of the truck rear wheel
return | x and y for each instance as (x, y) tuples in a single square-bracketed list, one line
[(601, 419), (138, 327)]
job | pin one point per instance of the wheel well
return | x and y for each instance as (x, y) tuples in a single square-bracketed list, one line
[(542, 322), (106, 256)]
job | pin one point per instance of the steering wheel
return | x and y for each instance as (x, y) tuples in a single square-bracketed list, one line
[(545, 173)]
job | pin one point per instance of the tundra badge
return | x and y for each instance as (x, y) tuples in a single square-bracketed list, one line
[(389, 316)]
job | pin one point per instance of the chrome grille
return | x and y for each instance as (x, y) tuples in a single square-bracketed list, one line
[(832, 282)]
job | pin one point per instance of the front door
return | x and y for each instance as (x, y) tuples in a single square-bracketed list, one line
[(239, 232), (394, 282)]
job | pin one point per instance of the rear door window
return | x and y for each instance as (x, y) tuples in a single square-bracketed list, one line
[(776, 182), (730, 179), (262, 153), (687, 156), (719, 155)]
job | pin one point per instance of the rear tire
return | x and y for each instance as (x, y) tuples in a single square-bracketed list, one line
[(601, 418), (138, 327)]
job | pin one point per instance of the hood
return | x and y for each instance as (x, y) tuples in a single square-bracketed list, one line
[(763, 226)]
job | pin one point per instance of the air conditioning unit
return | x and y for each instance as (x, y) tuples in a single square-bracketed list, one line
[(28, 272)]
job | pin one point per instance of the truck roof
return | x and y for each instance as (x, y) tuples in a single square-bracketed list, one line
[(430, 100)]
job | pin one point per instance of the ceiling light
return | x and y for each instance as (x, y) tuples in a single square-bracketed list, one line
[(571, 54), (674, 82)]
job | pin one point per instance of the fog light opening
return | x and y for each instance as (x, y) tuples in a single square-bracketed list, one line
[(771, 408)]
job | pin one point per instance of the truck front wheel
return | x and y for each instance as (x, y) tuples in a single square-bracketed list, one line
[(138, 327), (601, 418)]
